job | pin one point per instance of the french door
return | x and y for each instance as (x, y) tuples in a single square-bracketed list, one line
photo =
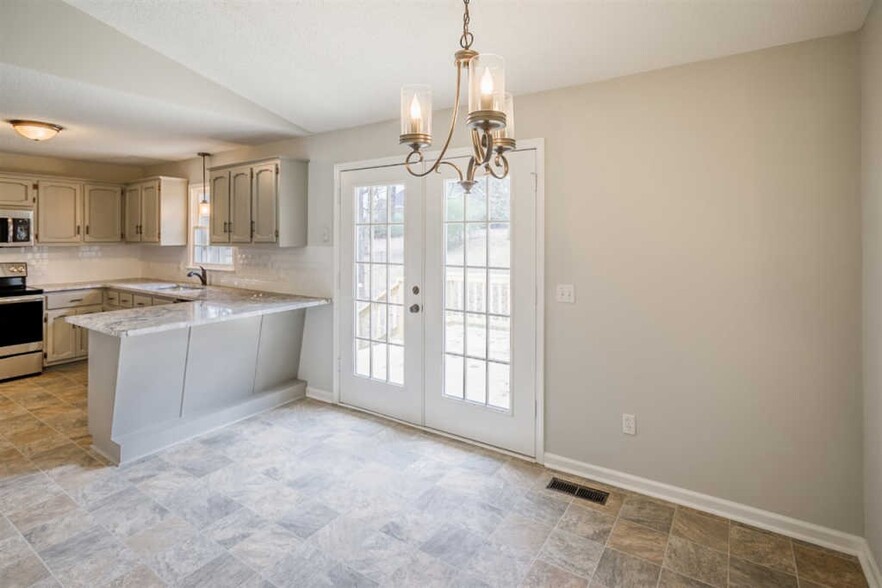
[(438, 301)]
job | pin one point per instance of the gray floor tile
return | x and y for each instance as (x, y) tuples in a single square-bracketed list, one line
[(648, 512), (696, 561), (224, 571), (308, 517), (264, 548), (572, 553), (453, 544), (620, 570)]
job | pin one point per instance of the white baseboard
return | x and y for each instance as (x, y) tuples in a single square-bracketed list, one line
[(319, 394), (810, 532)]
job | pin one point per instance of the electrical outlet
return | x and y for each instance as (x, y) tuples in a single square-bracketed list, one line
[(566, 293), (629, 424)]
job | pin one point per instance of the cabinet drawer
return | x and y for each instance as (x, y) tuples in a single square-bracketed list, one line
[(73, 298), (125, 299), (141, 300), (157, 301), (111, 297)]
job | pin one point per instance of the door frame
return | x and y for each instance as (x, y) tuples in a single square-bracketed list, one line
[(537, 145)]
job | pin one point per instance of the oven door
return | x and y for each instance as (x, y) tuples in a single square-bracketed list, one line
[(16, 228), (22, 320)]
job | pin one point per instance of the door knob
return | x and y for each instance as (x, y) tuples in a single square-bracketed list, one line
[(414, 308)]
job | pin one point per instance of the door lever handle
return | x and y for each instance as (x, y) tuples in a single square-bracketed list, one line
[(414, 308)]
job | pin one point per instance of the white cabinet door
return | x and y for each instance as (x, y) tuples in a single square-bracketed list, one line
[(150, 225), (81, 335), (220, 206), (133, 213), (240, 205), (58, 212), (103, 219), (264, 195), (61, 338), (17, 191)]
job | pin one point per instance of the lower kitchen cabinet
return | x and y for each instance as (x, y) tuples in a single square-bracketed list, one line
[(63, 341)]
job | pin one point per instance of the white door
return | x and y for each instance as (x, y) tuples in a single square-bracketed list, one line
[(474, 259), (481, 307), (381, 326)]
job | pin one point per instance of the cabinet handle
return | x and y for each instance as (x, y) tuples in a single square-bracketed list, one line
[(78, 229), (252, 229), (87, 229), (230, 227), (76, 300)]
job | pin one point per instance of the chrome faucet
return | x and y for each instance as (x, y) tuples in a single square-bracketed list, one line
[(202, 275)]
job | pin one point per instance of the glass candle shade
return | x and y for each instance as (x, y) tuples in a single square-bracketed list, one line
[(486, 83), (507, 132), (416, 110)]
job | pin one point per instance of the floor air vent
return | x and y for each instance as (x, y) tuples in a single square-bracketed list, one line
[(584, 492)]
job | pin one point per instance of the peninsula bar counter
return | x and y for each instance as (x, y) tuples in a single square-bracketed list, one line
[(162, 374)]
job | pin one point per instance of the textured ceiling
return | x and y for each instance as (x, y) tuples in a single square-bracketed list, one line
[(258, 69)]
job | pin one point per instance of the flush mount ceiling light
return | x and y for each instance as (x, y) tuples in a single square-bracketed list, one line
[(490, 118), (35, 130)]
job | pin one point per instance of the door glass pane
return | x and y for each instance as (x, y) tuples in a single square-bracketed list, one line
[(396, 283), (379, 283), (477, 342)]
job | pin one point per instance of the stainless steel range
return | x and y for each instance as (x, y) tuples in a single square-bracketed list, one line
[(21, 323)]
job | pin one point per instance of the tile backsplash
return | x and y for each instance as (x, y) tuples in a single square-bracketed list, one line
[(307, 270), (57, 264)]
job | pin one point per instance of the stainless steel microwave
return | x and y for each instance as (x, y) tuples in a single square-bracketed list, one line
[(16, 228)]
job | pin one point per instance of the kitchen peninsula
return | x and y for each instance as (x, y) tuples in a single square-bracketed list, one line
[(161, 374)]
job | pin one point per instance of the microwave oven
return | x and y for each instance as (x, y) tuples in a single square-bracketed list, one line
[(16, 228)]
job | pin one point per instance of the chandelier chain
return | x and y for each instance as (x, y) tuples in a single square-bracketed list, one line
[(467, 38)]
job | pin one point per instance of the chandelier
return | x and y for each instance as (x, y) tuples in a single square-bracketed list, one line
[(490, 118)]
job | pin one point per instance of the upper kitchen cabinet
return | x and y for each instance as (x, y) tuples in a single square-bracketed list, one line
[(156, 211), (59, 212), (260, 202), (103, 213), (17, 191)]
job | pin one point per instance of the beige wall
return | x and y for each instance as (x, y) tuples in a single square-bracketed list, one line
[(709, 217), (871, 190), (15, 162)]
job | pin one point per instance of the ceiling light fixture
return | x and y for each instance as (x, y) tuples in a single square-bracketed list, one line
[(204, 206), (490, 118), (35, 130)]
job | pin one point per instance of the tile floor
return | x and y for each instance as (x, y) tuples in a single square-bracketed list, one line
[(314, 495)]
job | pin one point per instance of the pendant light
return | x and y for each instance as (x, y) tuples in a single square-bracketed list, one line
[(490, 118), (204, 206)]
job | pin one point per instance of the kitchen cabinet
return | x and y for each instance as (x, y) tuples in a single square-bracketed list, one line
[(263, 203), (156, 211), (219, 190), (59, 211), (63, 341), (17, 190), (103, 213), (259, 202), (61, 338), (239, 227)]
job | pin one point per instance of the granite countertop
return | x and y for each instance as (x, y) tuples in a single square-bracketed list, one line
[(210, 304)]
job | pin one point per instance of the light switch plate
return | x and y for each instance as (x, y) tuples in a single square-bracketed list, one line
[(566, 293), (629, 424)]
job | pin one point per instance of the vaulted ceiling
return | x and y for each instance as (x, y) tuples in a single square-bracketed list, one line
[(152, 80)]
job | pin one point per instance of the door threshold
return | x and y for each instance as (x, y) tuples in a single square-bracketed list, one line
[(425, 429)]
